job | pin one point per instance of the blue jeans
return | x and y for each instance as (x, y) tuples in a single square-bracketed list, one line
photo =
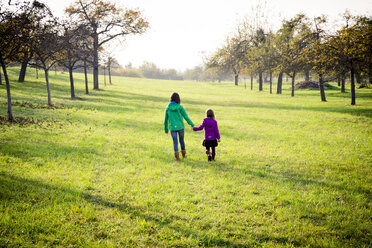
[(181, 134)]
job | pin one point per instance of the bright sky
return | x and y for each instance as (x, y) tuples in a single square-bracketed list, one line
[(184, 31)]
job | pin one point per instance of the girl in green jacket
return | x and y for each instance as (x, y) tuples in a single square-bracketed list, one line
[(173, 121)]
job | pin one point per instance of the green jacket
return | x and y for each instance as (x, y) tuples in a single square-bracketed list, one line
[(174, 115)]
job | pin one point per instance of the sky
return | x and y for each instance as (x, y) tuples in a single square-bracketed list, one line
[(183, 32)]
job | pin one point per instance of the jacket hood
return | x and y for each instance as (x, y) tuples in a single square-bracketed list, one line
[(173, 107), (209, 121)]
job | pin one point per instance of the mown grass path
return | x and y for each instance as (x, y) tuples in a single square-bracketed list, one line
[(99, 171)]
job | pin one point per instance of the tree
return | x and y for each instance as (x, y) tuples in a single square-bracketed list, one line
[(69, 53), (73, 50), (25, 53), (171, 74), (352, 44), (291, 43), (85, 54), (256, 29), (264, 55), (194, 73), (109, 63), (7, 34), (150, 70), (45, 42), (13, 33), (230, 58), (318, 53), (27, 56), (106, 22)]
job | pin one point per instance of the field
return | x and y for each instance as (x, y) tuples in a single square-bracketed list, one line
[(99, 171)]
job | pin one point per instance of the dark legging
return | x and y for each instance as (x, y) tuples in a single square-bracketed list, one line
[(207, 151)]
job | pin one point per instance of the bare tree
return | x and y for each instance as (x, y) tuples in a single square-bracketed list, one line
[(107, 22), (109, 63)]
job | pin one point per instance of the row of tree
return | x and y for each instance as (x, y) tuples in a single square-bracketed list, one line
[(151, 70), (31, 35), (300, 45), (148, 70)]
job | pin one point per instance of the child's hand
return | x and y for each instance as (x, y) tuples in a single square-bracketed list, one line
[(166, 132), (192, 129), (219, 140)]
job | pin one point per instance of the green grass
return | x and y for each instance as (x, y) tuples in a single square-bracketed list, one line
[(99, 171)]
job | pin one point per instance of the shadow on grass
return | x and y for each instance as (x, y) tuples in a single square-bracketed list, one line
[(358, 111), (290, 177), (15, 189), (62, 92)]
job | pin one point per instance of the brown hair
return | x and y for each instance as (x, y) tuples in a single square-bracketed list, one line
[(209, 113), (175, 98)]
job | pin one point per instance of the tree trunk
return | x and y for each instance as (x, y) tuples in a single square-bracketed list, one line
[(338, 81), (260, 83), (321, 88), (47, 85), (104, 75), (22, 73), (352, 85), (343, 83), (26, 58), (86, 77), (109, 72), (251, 81), (358, 77), (9, 98), (293, 81), (271, 81), (1, 80), (36, 73), (71, 82), (236, 78), (95, 62), (307, 75), (280, 83)]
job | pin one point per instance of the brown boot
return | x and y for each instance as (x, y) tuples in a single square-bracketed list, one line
[(183, 154), (177, 156)]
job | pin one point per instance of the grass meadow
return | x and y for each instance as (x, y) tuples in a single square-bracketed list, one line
[(99, 171)]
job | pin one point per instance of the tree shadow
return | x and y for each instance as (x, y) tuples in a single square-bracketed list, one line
[(117, 98), (358, 111), (14, 189), (290, 177)]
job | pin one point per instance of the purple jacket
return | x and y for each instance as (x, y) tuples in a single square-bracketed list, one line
[(211, 129)]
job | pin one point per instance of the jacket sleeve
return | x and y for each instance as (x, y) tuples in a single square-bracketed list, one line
[(184, 114), (166, 122), (199, 128), (217, 132)]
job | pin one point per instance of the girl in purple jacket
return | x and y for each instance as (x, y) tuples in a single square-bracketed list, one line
[(211, 134)]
